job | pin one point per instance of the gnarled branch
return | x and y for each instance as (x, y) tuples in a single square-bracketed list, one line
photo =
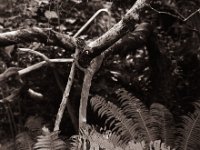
[(35, 34)]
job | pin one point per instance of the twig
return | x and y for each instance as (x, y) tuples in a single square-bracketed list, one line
[(192, 14), (65, 98), (35, 52), (179, 16), (50, 64), (41, 64), (89, 21)]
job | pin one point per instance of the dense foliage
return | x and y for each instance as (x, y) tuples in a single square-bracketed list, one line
[(162, 73)]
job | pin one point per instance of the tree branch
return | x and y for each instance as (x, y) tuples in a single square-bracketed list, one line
[(41, 64), (132, 40), (12, 71), (127, 24), (35, 34)]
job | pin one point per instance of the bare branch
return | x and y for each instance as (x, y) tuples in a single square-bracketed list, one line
[(41, 64), (89, 73), (65, 98), (179, 16), (35, 34), (132, 40), (35, 52), (127, 24)]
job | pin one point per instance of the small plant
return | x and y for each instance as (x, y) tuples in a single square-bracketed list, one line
[(131, 122)]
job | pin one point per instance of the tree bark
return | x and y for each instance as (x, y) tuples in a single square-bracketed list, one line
[(35, 34)]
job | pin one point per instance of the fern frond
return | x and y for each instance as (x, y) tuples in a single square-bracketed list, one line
[(158, 145), (98, 140), (24, 141), (117, 140), (135, 146), (90, 139), (133, 108), (49, 141), (165, 122), (188, 133), (115, 117), (153, 145)]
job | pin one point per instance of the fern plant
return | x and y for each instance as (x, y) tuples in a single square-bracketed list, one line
[(24, 141), (36, 137), (188, 133), (49, 141), (131, 121), (132, 126), (90, 139)]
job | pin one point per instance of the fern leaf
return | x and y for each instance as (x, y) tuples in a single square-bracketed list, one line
[(165, 122), (135, 146), (153, 145), (117, 121), (158, 145), (75, 142), (189, 131), (98, 140), (24, 141), (90, 139), (49, 141), (117, 140), (133, 108)]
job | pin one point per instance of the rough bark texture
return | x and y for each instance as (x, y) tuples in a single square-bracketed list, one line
[(35, 34), (132, 40)]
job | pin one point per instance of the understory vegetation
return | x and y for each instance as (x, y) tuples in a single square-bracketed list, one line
[(99, 75)]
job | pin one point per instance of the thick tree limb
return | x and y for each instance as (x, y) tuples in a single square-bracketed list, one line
[(114, 34), (132, 40), (35, 34)]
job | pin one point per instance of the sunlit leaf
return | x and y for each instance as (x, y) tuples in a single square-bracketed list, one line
[(51, 14)]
